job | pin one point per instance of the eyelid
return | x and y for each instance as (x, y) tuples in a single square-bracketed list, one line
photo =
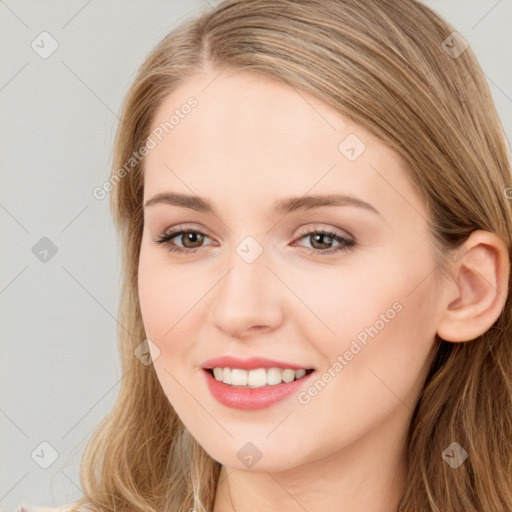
[(304, 230), (179, 230), (185, 227)]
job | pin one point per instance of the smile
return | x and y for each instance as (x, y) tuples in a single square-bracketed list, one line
[(247, 397)]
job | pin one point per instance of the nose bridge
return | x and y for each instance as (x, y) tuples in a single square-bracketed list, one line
[(246, 295), (248, 274)]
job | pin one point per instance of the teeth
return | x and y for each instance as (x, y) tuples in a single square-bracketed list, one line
[(273, 376), (299, 373), (288, 375), (238, 377), (256, 378)]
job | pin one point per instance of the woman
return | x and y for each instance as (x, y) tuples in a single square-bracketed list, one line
[(313, 200)]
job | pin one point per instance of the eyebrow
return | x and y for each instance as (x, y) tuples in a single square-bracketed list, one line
[(281, 206)]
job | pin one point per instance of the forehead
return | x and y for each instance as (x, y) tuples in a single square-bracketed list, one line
[(248, 134), (237, 112)]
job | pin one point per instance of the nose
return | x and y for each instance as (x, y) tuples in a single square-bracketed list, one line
[(249, 298)]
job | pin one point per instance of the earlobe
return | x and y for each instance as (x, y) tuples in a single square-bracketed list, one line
[(475, 298)]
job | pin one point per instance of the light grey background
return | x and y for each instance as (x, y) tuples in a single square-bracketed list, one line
[(60, 370)]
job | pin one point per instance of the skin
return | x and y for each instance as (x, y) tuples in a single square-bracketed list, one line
[(249, 142)]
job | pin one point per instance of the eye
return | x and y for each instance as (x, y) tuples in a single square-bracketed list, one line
[(322, 240), (191, 240)]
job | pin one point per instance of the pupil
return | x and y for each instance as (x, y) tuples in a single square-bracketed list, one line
[(190, 238), (320, 236)]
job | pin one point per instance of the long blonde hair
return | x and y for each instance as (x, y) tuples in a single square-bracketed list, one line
[(391, 67)]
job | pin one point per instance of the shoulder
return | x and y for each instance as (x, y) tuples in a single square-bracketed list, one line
[(71, 507)]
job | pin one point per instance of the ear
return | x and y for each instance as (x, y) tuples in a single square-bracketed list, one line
[(475, 298)]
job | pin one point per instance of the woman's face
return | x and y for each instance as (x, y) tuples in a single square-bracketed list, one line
[(359, 310)]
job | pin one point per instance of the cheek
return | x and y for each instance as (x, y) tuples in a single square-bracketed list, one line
[(377, 361), (172, 302), (380, 315), (164, 300), (153, 297), (385, 335), (166, 294), (344, 301)]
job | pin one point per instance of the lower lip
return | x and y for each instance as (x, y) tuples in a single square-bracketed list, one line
[(252, 398)]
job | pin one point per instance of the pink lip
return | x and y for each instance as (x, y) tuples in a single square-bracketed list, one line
[(249, 364), (251, 398)]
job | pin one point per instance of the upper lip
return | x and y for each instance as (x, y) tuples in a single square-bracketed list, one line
[(250, 364)]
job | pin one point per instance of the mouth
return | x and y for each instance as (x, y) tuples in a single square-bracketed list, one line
[(256, 388), (258, 377)]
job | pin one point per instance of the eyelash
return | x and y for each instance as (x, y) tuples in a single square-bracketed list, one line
[(165, 238)]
